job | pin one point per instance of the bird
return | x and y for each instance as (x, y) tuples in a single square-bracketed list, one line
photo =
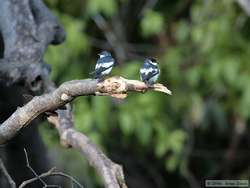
[(104, 65), (149, 71)]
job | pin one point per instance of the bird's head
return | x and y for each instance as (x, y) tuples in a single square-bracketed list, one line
[(104, 54), (151, 61)]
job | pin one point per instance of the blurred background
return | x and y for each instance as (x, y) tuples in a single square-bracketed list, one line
[(198, 133)]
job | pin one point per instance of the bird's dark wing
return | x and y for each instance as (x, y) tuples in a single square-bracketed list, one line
[(146, 77), (101, 69), (148, 71), (104, 64), (108, 59), (153, 73)]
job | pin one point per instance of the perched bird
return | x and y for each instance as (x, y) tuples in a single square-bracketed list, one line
[(149, 71), (104, 65)]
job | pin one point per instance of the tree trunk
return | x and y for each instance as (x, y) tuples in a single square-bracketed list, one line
[(26, 29)]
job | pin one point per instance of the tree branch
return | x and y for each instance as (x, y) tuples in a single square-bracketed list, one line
[(111, 37), (245, 5), (115, 86), (51, 172), (32, 170), (111, 173), (7, 175), (118, 87)]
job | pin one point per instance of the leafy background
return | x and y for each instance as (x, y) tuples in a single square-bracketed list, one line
[(201, 131)]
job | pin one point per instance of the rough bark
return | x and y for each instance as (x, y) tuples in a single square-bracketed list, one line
[(26, 29)]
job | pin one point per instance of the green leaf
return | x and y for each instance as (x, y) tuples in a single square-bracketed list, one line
[(172, 162), (244, 105), (126, 123), (144, 133), (101, 107), (162, 140), (107, 7), (182, 31), (176, 140), (96, 138), (131, 70), (83, 116), (152, 23)]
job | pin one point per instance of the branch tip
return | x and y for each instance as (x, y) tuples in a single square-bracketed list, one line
[(118, 87)]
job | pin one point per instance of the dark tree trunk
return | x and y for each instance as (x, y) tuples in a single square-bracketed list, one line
[(26, 27)]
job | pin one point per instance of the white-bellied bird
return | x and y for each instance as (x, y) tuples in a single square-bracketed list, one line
[(149, 72), (104, 65)]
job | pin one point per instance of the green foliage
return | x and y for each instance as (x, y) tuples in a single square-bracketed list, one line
[(66, 57), (107, 7), (102, 112), (205, 64), (152, 23)]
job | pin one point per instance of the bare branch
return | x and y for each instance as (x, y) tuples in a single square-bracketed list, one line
[(31, 169), (64, 115), (245, 5), (118, 87), (115, 86), (6, 174), (111, 172), (110, 36), (51, 172), (147, 6)]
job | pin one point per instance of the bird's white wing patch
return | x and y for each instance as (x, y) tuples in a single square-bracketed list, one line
[(107, 64), (142, 70), (107, 71), (146, 71), (97, 66), (104, 64)]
